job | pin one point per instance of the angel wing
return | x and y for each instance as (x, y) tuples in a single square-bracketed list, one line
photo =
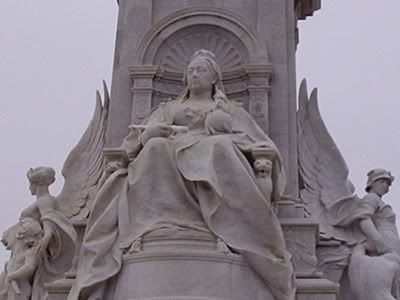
[(83, 169), (327, 192)]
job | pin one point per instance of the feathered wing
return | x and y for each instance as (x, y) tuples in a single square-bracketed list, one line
[(327, 192), (83, 169)]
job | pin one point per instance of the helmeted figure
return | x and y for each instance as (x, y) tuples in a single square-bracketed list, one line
[(366, 262)]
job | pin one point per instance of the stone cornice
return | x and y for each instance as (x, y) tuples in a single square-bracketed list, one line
[(306, 8), (143, 71)]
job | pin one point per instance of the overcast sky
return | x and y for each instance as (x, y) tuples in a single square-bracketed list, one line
[(54, 54)]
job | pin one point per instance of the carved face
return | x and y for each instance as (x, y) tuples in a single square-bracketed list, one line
[(263, 167), (200, 76), (10, 236), (380, 186), (32, 188)]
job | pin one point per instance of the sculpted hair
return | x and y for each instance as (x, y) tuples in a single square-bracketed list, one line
[(41, 175), (30, 231)]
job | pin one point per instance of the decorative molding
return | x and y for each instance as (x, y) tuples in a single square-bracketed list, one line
[(316, 287), (142, 78), (257, 70), (189, 18), (306, 8), (143, 71), (179, 53), (177, 254)]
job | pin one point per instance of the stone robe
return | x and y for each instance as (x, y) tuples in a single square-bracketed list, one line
[(192, 181)]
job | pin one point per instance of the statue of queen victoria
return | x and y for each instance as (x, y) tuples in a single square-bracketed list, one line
[(184, 202), (190, 171)]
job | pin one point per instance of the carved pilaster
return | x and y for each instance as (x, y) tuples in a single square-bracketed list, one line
[(142, 91), (301, 237), (258, 88)]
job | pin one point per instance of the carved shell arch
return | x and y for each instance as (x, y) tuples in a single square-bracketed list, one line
[(174, 54), (238, 32)]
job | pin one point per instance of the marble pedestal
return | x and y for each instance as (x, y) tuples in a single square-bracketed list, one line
[(193, 267), (187, 267)]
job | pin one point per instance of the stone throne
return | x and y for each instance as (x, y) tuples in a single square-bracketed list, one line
[(254, 42)]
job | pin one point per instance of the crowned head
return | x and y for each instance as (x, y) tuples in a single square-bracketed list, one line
[(203, 73)]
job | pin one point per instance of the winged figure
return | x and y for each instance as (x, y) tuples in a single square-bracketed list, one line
[(363, 230), (47, 223), (84, 167)]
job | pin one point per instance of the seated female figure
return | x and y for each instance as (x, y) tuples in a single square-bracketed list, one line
[(190, 171)]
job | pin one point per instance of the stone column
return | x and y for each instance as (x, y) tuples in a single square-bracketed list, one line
[(142, 91), (258, 87)]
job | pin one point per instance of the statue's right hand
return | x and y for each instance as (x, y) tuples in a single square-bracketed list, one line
[(157, 130)]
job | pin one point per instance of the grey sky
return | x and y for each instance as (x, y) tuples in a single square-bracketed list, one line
[(54, 55)]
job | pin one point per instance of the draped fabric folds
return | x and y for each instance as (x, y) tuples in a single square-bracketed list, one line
[(193, 180)]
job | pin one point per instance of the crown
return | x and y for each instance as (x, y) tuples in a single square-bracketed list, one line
[(203, 53)]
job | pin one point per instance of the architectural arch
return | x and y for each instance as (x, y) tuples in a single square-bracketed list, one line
[(166, 48), (187, 19)]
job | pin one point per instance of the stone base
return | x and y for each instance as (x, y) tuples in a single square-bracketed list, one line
[(195, 275), (59, 290), (307, 289), (188, 274), (174, 265), (316, 289)]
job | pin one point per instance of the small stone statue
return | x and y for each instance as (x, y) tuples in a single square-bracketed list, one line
[(22, 239), (42, 244), (381, 249), (366, 257), (45, 207), (263, 168)]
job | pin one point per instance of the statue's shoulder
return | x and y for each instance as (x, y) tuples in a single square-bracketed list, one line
[(372, 199), (370, 203)]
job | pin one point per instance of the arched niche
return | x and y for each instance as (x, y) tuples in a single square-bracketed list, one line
[(166, 48)]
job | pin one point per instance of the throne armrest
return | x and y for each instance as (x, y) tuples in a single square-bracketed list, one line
[(263, 153), (115, 158), (263, 169)]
